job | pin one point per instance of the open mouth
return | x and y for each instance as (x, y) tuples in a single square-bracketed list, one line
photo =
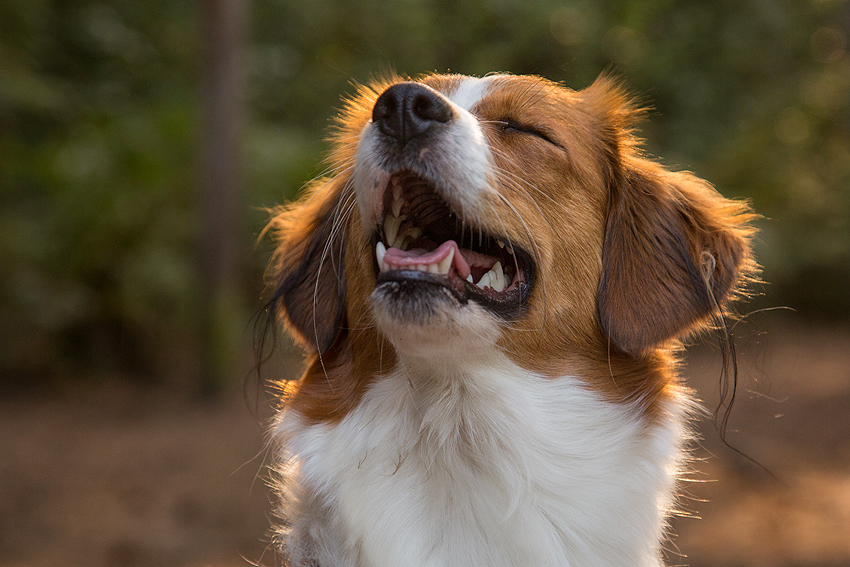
[(423, 240)]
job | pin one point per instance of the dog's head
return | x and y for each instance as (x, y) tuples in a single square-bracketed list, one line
[(505, 212)]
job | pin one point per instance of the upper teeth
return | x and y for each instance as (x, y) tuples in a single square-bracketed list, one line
[(396, 207), (391, 225)]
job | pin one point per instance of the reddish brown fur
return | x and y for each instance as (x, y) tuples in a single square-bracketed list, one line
[(629, 256), (334, 380)]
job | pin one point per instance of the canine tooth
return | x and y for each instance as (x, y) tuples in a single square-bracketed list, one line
[(396, 206), (383, 266), (469, 278), (497, 277), (484, 281), (396, 190), (380, 250), (391, 226), (446, 263)]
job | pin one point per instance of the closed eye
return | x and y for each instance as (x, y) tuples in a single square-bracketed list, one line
[(509, 125)]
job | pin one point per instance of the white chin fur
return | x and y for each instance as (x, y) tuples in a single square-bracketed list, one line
[(445, 331)]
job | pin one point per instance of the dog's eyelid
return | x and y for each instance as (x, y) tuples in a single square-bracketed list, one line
[(511, 124)]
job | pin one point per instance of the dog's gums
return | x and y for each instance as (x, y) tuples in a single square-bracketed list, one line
[(421, 239)]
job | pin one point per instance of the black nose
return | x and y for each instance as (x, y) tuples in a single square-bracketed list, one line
[(407, 110)]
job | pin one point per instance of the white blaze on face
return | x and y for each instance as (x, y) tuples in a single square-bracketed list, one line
[(471, 90), (458, 162)]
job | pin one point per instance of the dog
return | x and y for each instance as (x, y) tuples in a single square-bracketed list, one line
[(493, 286)]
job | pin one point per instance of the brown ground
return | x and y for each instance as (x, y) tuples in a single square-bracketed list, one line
[(122, 475)]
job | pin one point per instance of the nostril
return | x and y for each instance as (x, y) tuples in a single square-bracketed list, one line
[(428, 106), (407, 110), (384, 108)]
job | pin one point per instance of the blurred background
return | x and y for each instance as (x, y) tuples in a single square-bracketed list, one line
[(142, 142)]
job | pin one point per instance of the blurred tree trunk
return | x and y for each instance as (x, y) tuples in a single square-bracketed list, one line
[(221, 204)]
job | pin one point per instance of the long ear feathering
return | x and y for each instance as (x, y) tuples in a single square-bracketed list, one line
[(676, 252), (306, 271), (306, 274)]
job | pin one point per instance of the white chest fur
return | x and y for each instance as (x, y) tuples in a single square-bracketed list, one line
[(491, 467)]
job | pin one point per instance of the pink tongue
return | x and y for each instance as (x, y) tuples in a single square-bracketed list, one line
[(399, 259)]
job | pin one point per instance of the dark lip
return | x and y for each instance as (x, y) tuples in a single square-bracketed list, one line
[(509, 306), (417, 277)]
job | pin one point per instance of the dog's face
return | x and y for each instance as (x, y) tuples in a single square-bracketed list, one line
[(505, 212), (468, 195)]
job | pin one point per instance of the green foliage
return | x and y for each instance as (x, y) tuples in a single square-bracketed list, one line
[(753, 95), (97, 135), (99, 121)]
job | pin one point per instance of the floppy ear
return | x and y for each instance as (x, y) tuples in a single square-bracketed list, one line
[(675, 252), (307, 269)]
